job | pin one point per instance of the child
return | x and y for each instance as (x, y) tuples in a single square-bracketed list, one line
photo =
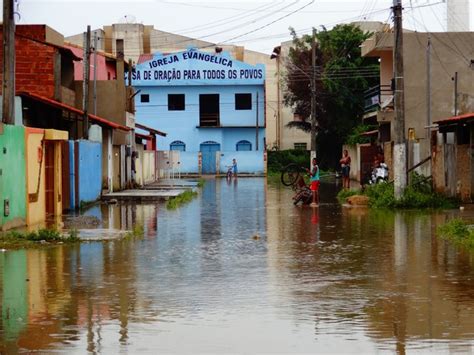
[(234, 167), (314, 183)]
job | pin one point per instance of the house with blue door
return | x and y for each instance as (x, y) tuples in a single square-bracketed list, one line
[(212, 107)]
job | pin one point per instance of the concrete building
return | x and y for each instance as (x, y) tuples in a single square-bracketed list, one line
[(211, 107), (452, 157), (137, 41), (112, 98), (446, 90), (54, 174)]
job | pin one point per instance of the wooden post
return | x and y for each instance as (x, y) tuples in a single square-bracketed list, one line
[(8, 81), (85, 82)]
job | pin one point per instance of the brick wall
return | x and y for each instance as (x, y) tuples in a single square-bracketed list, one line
[(463, 172), (37, 32), (34, 66)]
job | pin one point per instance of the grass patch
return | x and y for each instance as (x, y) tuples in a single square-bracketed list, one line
[(16, 239), (382, 196), (458, 231), (201, 182), (181, 199), (418, 194), (137, 232)]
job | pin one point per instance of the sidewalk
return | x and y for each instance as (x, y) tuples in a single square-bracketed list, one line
[(158, 190)]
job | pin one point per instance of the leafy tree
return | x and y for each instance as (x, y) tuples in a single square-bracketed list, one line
[(342, 76)]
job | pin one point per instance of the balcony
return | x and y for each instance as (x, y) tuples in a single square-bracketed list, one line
[(377, 98)]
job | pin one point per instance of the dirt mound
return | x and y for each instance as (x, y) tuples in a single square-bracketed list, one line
[(358, 200)]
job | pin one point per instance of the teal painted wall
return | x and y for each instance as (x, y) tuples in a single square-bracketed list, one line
[(13, 269), (12, 175)]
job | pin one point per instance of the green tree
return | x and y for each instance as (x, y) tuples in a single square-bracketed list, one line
[(342, 76)]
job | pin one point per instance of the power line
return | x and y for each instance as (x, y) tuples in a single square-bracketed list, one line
[(225, 20)]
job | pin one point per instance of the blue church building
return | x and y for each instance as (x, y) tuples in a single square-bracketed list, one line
[(211, 106)]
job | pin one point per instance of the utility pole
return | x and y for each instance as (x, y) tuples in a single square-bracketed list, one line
[(278, 117), (85, 82), (256, 126), (428, 89), (399, 151), (455, 93), (95, 74), (8, 80), (314, 123), (129, 74)]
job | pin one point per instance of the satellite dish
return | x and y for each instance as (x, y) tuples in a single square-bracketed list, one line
[(128, 19)]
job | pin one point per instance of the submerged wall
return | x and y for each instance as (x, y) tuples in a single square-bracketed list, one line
[(12, 177)]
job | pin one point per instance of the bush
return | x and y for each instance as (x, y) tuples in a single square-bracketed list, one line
[(355, 136), (417, 195), (279, 159), (381, 195)]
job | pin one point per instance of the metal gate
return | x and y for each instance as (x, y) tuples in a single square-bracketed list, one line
[(208, 150)]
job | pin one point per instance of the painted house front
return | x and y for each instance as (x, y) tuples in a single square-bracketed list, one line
[(210, 105)]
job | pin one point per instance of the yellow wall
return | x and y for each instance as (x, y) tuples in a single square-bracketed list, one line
[(58, 186), (36, 210)]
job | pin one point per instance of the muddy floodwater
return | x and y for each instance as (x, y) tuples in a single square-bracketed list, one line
[(242, 270)]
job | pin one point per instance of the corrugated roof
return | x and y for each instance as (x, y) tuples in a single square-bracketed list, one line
[(94, 118), (149, 129), (454, 119), (143, 136)]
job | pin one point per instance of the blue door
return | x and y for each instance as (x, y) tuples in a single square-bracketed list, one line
[(208, 150)]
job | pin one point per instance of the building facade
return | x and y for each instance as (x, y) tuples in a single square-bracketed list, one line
[(439, 83), (211, 106), (135, 41)]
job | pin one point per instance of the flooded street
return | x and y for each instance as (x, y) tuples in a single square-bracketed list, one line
[(240, 269)]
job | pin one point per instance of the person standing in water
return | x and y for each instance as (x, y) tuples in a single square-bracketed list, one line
[(314, 178), (346, 168)]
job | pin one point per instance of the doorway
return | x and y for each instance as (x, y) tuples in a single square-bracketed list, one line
[(208, 151), (209, 110)]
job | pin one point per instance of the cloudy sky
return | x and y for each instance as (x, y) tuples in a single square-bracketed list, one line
[(257, 24)]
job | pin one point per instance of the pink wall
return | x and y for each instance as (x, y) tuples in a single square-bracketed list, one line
[(105, 69)]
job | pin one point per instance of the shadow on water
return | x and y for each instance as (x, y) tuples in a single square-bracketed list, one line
[(240, 269)]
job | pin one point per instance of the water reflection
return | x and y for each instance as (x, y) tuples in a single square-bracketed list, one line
[(240, 269)]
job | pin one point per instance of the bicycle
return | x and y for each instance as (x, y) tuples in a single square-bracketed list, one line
[(291, 173), (229, 172)]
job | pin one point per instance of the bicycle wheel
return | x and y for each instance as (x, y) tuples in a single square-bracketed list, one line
[(290, 174)]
